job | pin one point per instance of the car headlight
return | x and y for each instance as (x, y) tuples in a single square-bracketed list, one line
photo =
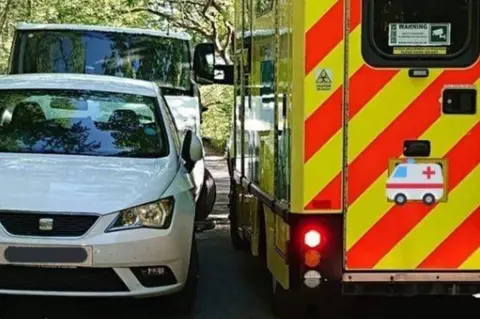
[(152, 215)]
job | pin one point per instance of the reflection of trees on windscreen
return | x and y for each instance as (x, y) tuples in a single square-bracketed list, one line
[(161, 59), (41, 139), (147, 58), (81, 122), (52, 52)]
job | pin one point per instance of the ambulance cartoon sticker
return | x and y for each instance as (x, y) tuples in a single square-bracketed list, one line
[(416, 181)]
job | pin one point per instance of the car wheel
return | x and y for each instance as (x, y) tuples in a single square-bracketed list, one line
[(206, 199), (400, 199), (183, 302), (428, 199)]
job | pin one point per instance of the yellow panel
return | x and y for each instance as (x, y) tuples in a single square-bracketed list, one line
[(436, 226), (313, 97), (366, 211), (335, 62), (473, 262), (315, 9), (355, 58), (385, 107), (298, 58), (323, 167)]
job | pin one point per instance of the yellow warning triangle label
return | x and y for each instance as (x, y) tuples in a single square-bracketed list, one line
[(323, 77)]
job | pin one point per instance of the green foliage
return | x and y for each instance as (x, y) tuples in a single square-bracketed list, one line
[(187, 16), (217, 120)]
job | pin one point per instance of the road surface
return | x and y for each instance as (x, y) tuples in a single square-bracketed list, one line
[(232, 286)]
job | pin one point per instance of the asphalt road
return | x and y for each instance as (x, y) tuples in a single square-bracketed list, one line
[(232, 286)]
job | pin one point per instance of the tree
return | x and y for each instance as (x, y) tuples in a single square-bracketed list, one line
[(208, 19)]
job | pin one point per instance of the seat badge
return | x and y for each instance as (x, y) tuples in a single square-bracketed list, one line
[(45, 224)]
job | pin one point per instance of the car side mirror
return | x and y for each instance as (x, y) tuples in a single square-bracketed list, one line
[(204, 63), (192, 150), (205, 67)]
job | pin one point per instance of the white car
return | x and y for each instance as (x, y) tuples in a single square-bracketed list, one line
[(97, 197)]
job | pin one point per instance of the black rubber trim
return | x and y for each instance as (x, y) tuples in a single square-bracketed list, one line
[(263, 196), (374, 57), (245, 183), (277, 207)]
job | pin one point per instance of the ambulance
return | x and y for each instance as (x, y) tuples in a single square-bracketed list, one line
[(413, 181), (321, 190)]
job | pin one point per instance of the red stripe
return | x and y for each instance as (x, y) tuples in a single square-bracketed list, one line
[(324, 36), (366, 80), (322, 125), (410, 124), (366, 83), (399, 221), (458, 247), (327, 33), (415, 186)]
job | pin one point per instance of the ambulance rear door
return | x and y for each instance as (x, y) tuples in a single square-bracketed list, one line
[(412, 92)]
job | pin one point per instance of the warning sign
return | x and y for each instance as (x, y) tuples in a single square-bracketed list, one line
[(420, 51), (419, 34), (324, 79)]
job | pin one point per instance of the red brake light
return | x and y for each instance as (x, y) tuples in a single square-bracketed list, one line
[(312, 238)]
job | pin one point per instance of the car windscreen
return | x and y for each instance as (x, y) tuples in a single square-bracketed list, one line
[(163, 60), (82, 123)]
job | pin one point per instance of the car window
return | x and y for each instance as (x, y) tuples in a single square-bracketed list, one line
[(173, 127), (400, 172), (82, 123), (164, 60), (400, 31)]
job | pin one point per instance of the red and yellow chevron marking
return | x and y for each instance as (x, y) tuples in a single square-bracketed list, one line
[(323, 138), (404, 235), (387, 107)]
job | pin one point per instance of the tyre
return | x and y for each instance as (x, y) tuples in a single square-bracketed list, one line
[(428, 199), (400, 199), (206, 199), (183, 302), (238, 242)]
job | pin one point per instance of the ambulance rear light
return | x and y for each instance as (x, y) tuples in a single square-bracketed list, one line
[(312, 238), (313, 241), (316, 244), (312, 258)]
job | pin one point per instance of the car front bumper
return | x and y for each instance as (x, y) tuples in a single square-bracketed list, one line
[(135, 263)]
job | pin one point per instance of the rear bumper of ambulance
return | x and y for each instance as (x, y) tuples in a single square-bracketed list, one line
[(411, 283)]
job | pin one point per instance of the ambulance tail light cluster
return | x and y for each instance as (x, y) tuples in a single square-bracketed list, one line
[(313, 241), (317, 249)]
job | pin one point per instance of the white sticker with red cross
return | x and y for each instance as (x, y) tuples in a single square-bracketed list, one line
[(412, 181)]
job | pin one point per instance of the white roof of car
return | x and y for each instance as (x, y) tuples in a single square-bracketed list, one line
[(85, 27), (67, 81)]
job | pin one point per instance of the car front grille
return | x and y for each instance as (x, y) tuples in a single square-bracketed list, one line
[(60, 279), (64, 225)]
